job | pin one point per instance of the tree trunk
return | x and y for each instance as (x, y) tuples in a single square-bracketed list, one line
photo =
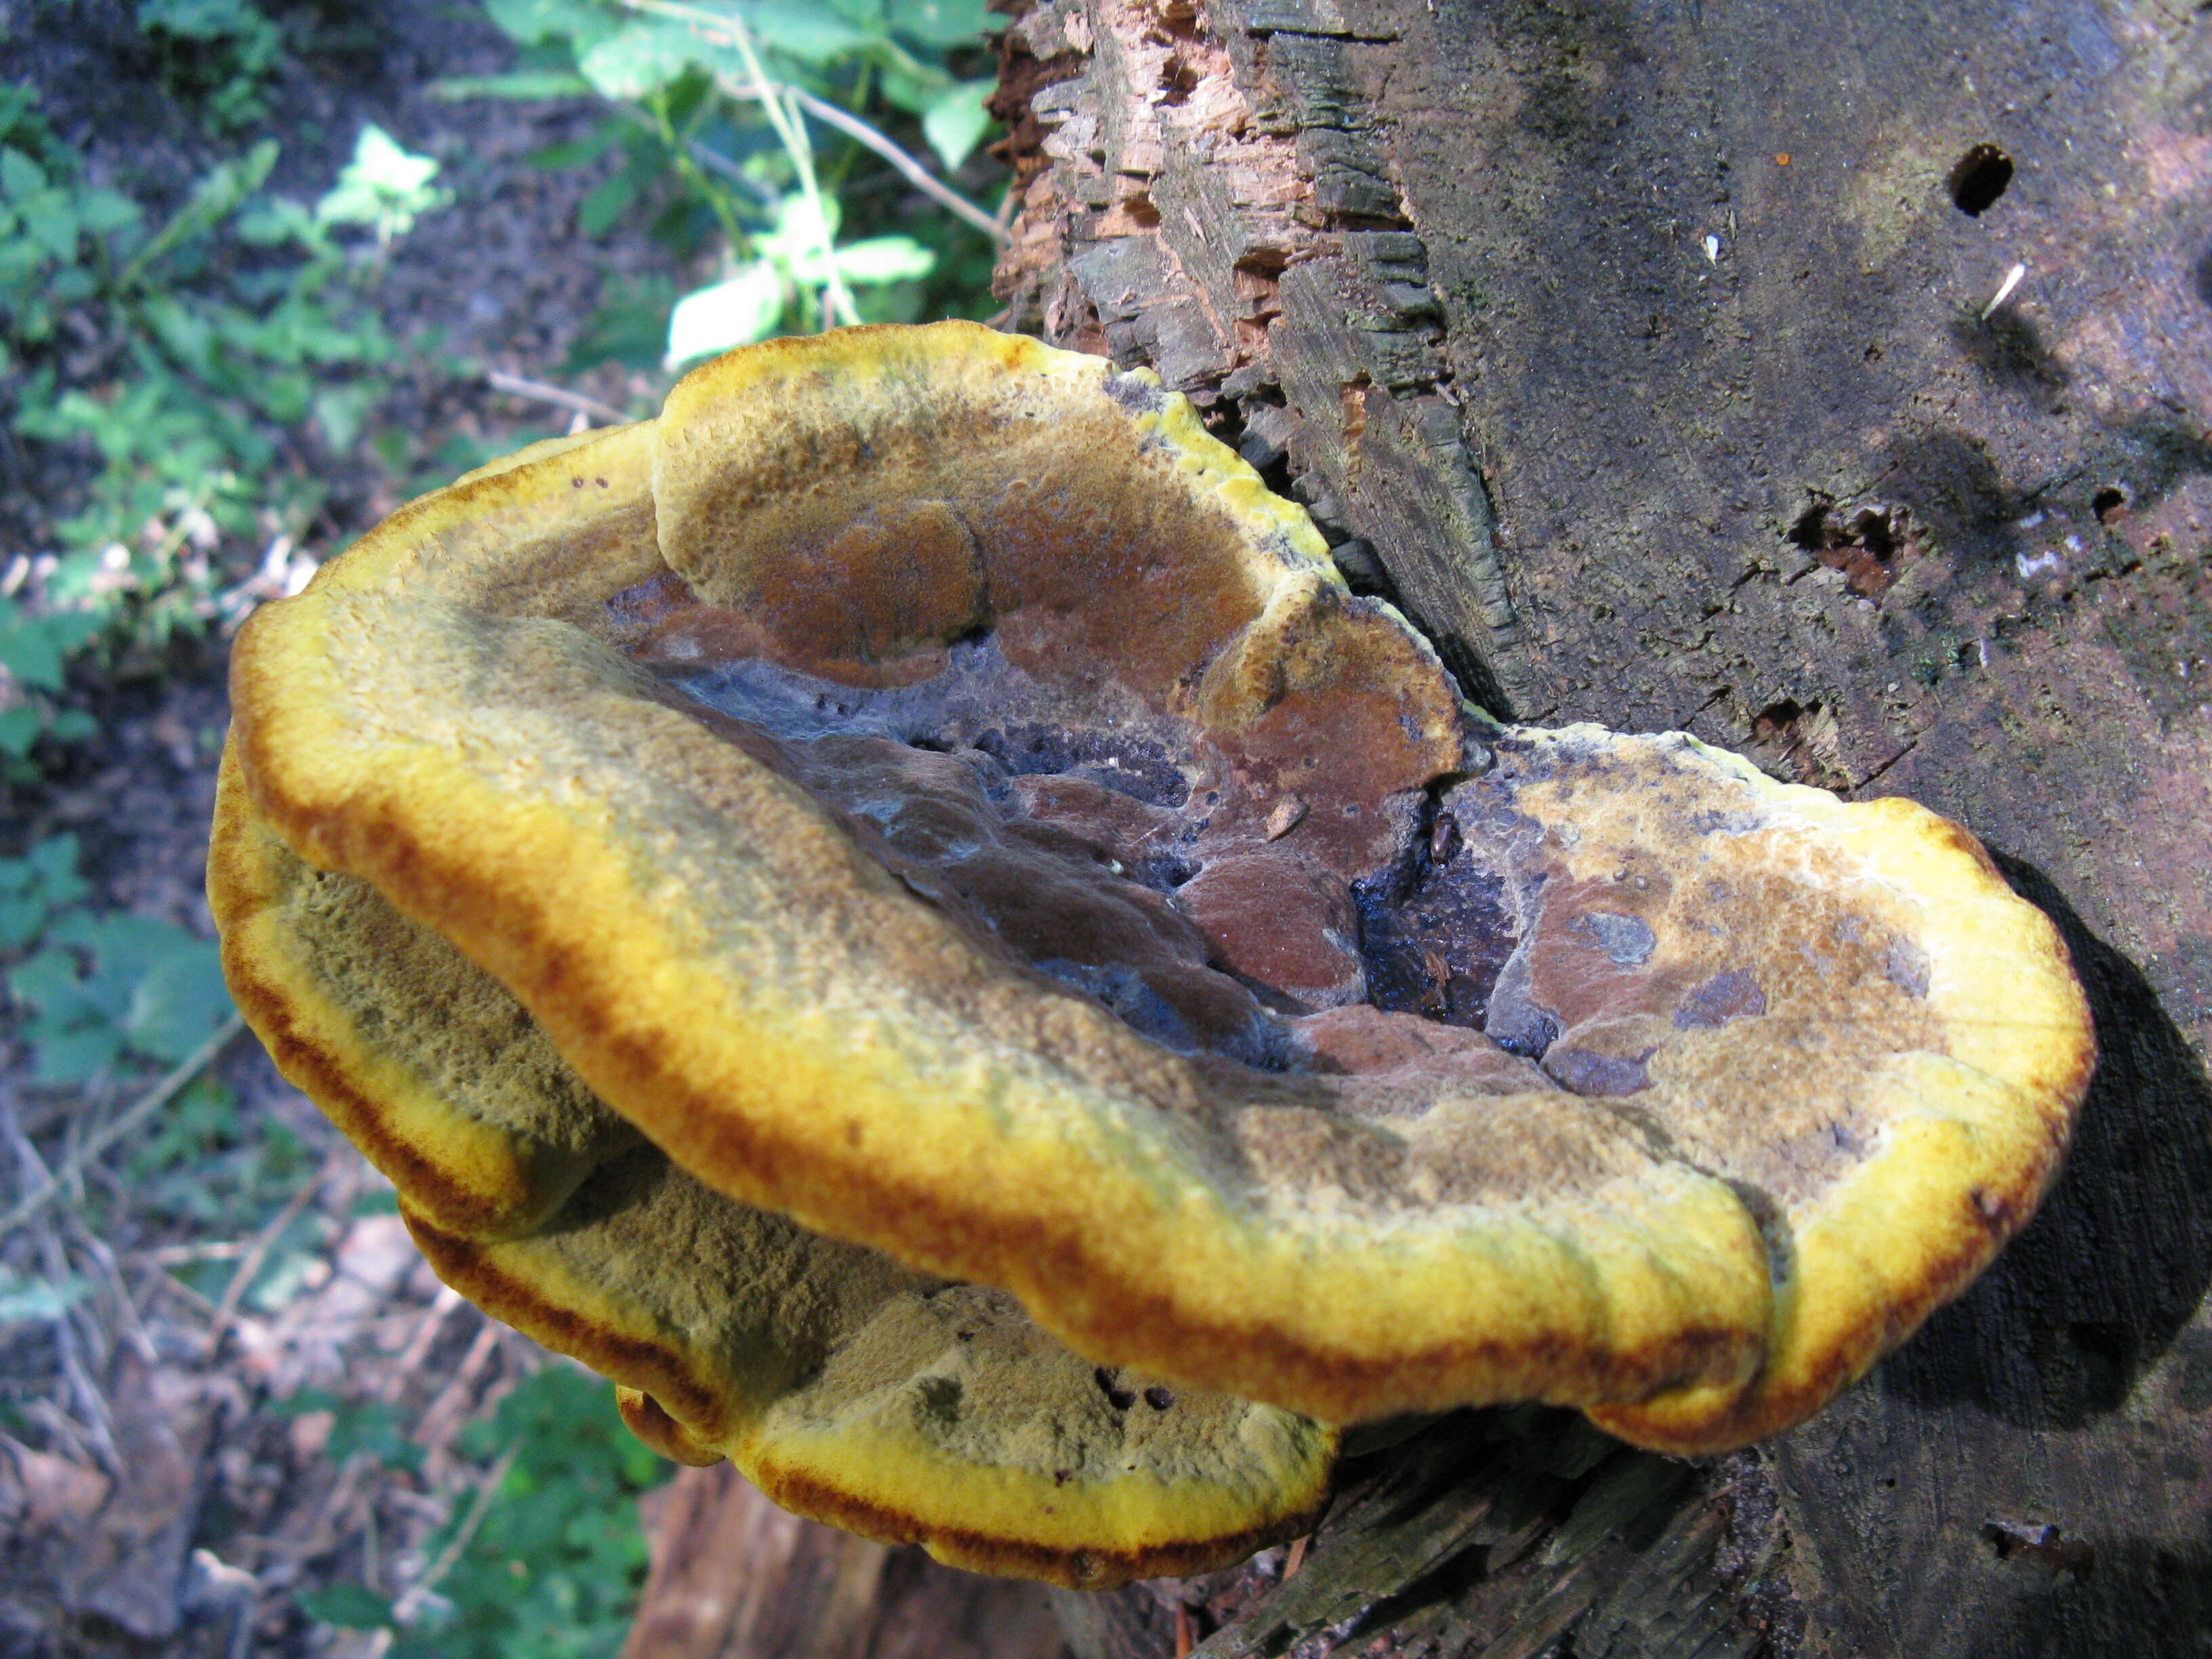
[(735, 1578), (1829, 380)]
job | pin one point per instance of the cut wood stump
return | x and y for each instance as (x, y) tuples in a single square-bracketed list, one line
[(735, 1578)]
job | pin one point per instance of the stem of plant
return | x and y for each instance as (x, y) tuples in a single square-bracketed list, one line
[(790, 131), (687, 167)]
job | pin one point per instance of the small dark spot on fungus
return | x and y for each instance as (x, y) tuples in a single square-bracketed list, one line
[(1119, 1398), (1978, 179), (1992, 1208), (1626, 941), (1731, 994), (1588, 1073), (575, 484), (1060, 1477), (1906, 966), (1159, 1398)]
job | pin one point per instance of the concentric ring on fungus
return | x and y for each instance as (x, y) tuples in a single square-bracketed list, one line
[(924, 790)]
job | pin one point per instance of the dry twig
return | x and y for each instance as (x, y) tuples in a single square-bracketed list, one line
[(249, 1264), (410, 1600), (520, 385), (128, 1119)]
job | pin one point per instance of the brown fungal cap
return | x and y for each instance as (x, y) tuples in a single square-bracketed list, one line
[(948, 802)]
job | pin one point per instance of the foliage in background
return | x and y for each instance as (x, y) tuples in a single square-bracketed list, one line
[(216, 55), (204, 363), (199, 362), (100, 989), (785, 136), (545, 1561), (182, 372)]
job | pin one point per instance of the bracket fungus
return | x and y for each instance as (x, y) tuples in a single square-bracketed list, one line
[(901, 912)]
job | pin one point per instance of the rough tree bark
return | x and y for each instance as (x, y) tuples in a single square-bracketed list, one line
[(1667, 361)]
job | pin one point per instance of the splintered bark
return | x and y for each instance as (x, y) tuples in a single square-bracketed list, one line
[(735, 1578), (1829, 380)]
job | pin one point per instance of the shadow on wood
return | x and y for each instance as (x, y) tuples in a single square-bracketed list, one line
[(2106, 1277)]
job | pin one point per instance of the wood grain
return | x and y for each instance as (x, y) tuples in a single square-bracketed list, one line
[(1646, 352)]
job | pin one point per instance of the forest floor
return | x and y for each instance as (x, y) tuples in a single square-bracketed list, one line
[(233, 1397)]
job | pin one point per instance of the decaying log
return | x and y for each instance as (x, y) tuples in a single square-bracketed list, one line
[(735, 1578), (1830, 381)]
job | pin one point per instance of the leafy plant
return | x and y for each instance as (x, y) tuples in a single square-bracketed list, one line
[(383, 188), (548, 1559), (234, 344), (778, 128), (218, 54), (370, 1428), (33, 649), (559, 1556), (100, 988), (38, 888)]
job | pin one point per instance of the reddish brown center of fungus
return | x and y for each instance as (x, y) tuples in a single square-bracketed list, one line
[(1288, 911)]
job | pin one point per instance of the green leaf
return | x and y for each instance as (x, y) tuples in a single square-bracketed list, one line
[(202, 19), (632, 330), (28, 653), (646, 55), (955, 122), (110, 982), (18, 729), (913, 87), (805, 32), (608, 200), (23, 1299), (801, 228), (54, 865), (100, 211), (738, 311), (20, 919), (348, 1607), (71, 726), (885, 259), (179, 1003), (51, 219), (576, 152), (19, 176), (942, 22), (67, 1057), (524, 86), (384, 187), (273, 222), (33, 648), (342, 412), (529, 22)]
